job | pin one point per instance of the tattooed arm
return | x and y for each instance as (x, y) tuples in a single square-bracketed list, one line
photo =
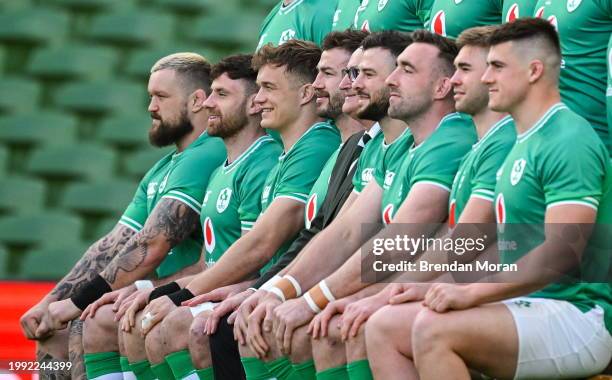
[(169, 224)]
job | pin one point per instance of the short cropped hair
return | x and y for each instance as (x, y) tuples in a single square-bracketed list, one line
[(299, 58), (526, 29), (447, 48), (236, 67), (391, 40), (348, 40), (193, 69), (477, 36)]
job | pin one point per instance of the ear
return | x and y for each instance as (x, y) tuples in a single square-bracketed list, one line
[(306, 94), (252, 108), (536, 70), (442, 88), (196, 100)]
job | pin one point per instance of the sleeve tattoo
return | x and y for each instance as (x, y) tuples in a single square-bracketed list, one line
[(95, 259), (171, 221)]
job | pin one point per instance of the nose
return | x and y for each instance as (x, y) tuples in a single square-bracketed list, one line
[(358, 82), (345, 83), (391, 80), (260, 98), (318, 82), (456, 79), (209, 102), (153, 107), (487, 77)]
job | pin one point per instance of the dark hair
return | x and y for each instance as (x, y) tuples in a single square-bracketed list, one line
[(193, 69), (236, 67), (391, 40), (527, 28), (477, 36), (348, 40), (299, 58), (447, 49)]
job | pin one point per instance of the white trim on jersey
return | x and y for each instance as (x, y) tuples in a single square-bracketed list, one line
[(182, 201), (437, 184), (128, 226), (291, 197), (484, 197), (572, 202)]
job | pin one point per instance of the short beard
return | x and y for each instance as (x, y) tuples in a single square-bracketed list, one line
[(167, 133), (378, 107), (334, 107), (230, 127)]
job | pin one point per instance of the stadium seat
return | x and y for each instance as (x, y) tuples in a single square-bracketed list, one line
[(190, 6), (227, 28), (104, 199), (140, 61), (50, 263), (21, 194), (50, 228), (43, 127), (101, 97), (82, 161), (142, 27), (9, 5), (3, 160), (33, 25), (5, 274), (72, 61), (127, 131), (18, 94), (138, 163), (104, 227), (92, 5)]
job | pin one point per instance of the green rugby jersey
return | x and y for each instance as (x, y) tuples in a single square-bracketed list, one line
[(451, 17), (476, 176), (319, 190), (369, 158), (434, 161), (609, 91), (514, 9), (183, 177), (402, 15), (232, 201), (344, 17), (308, 20), (559, 160), (584, 28), (298, 169)]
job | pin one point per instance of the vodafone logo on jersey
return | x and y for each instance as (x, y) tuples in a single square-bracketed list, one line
[(500, 209), (452, 210), (438, 23), (311, 209), (513, 13), (209, 235), (540, 12), (387, 214), (553, 22)]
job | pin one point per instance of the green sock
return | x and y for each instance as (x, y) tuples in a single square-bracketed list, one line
[(304, 371), (281, 368), (206, 373), (125, 368), (255, 369), (102, 363), (334, 373), (162, 371), (359, 370), (181, 364), (142, 370)]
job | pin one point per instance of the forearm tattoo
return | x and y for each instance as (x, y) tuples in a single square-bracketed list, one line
[(75, 350), (93, 262), (45, 358), (171, 220)]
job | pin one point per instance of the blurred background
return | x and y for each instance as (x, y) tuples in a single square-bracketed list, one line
[(74, 123)]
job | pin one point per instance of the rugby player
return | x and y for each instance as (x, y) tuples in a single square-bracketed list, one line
[(400, 15), (451, 17)]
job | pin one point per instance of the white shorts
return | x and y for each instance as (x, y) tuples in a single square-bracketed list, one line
[(195, 310), (557, 340)]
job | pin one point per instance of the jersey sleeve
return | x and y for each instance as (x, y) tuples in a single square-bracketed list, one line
[(189, 179), (357, 176), (573, 173), (305, 164), (484, 180), (251, 186), (135, 215)]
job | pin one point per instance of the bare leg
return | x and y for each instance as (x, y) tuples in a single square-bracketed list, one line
[(329, 352), (75, 349), (198, 342), (54, 348)]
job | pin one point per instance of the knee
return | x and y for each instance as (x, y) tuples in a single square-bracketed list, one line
[(100, 332), (356, 345), (175, 329), (198, 342), (428, 332), (154, 345), (329, 351), (381, 326), (301, 350)]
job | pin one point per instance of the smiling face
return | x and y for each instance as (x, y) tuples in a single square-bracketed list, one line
[(351, 100), (226, 106), (412, 82), (373, 95), (168, 108), (470, 94), (278, 97), (506, 76), (330, 97)]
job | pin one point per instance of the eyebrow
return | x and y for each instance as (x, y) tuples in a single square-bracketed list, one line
[(325, 68), (496, 62), (463, 65), (404, 63)]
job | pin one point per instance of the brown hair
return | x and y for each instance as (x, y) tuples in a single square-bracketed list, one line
[(237, 67), (391, 40), (477, 36), (348, 40), (525, 29), (299, 58), (447, 48)]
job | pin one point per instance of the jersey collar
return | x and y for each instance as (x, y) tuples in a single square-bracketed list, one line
[(540, 123)]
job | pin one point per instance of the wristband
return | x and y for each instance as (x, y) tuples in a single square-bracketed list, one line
[(164, 290), (319, 296), (270, 283), (286, 288), (90, 293), (143, 284), (180, 296)]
